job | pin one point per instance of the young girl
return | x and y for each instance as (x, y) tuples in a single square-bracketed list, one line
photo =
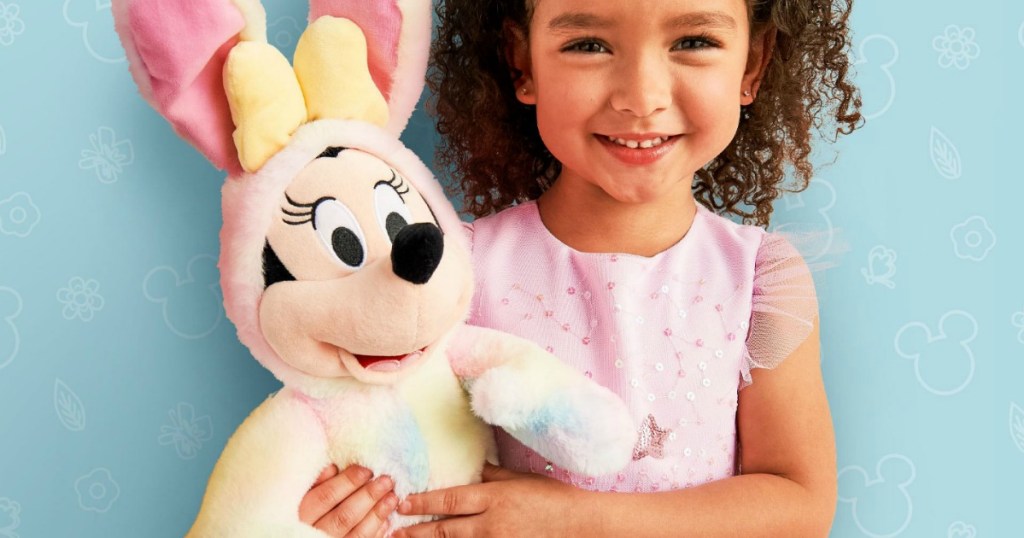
[(608, 137)]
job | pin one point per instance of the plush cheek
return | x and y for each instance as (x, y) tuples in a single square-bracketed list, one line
[(287, 321)]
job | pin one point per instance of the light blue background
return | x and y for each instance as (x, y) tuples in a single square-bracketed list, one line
[(121, 379)]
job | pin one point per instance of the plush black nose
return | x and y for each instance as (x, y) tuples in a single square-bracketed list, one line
[(416, 252)]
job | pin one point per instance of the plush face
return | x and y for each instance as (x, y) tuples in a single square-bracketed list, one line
[(360, 280)]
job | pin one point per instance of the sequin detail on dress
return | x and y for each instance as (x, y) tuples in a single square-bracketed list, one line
[(651, 440)]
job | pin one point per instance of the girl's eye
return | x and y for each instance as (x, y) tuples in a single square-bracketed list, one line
[(586, 46), (691, 43), (392, 213), (340, 233)]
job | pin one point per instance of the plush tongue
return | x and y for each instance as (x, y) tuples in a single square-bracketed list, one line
[(376, 363), (380, 364)]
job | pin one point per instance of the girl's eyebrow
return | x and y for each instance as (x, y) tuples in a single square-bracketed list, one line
[(578, 21), (708, 19), (586, 21)]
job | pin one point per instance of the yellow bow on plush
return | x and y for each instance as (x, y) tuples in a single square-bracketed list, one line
[(269, 99)]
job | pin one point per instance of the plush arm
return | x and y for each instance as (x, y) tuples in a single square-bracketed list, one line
[(542, 402), (267, 466)]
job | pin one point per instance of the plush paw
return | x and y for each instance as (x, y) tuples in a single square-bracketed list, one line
[(575, 423)]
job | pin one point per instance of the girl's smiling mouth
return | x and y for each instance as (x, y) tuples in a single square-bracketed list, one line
[(638, 149)]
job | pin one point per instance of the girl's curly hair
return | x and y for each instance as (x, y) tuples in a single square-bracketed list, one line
[(492, 147)]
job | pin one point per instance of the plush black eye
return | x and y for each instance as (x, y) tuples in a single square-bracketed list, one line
[(340, 233), (394, 224), (392, 213), (347, 247)]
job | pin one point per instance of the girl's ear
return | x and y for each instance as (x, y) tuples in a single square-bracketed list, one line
[(762, 47), (398, 44), (517, 55), (176, 53)]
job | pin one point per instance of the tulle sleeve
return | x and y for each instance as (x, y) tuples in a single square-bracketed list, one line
[(784, 305)]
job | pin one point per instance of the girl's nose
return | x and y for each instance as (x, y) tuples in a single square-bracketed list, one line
[(416, 252), (643, 85)]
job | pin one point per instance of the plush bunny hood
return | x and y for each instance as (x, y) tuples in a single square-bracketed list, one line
[(251, 201)]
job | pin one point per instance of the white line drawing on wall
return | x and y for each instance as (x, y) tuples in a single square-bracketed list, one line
[(68, 406), (959, 529), (885, 92), (11, 25), (941, 356), (881, 266), (956, 47), (1017, 320), (872, 497), (88, 13), (284, 33), (1017, 425), (944, 155), (191, 305), (97, 490), (107, 156), (10, 516), (19, 215), (186, 432), (10, 338), (81, 299), (972, 239)]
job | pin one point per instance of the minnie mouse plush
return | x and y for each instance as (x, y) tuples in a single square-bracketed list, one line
[(344, 267)]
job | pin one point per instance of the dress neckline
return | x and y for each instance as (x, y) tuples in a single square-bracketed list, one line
[(533, 212)]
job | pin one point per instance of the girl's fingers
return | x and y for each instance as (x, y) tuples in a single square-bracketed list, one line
[(328, 472), (456, 527), (492, 473), (455, 501), (325, 496), (383, 530), (356, 507), (375, 523)]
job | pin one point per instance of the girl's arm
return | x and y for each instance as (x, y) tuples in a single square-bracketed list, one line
[(788, 487)]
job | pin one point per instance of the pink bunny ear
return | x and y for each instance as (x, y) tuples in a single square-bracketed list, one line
[(176, 52), (398, 43)]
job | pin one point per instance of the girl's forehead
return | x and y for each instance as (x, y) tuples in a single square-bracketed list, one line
[(569, 11)]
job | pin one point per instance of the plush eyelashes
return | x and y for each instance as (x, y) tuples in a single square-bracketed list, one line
[(306, 215), (306, 211), (396, 183)]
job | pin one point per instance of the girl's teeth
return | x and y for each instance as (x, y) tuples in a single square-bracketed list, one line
[(633, 144)]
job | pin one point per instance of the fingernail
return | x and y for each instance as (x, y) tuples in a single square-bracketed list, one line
[(364, 474), (391, 501), (385, 481), (405, 507)]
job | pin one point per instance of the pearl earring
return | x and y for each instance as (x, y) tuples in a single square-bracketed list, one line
[(746, 93)]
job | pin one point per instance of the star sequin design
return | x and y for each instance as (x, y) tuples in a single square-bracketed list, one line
[(651, 440)]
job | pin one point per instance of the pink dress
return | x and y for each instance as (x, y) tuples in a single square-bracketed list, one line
[(675, 335)]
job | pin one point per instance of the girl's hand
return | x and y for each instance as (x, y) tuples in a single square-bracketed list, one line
[(505, 504), (349, 504)]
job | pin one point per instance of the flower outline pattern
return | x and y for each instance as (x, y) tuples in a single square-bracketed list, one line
[(11, 25), (187, 432), (972, 239), (19, 215), (97, 490), (81, 299), (108, 156), (956, 47)]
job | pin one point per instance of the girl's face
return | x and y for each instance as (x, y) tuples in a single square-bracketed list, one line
[(633, 97)]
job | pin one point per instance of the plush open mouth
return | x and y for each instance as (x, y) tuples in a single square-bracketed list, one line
[(378, 363)]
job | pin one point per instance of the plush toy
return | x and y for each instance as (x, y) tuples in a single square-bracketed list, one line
[(344, 266)]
